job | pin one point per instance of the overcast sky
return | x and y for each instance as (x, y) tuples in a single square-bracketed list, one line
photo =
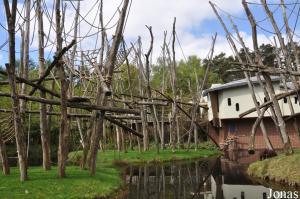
[(196, 23)]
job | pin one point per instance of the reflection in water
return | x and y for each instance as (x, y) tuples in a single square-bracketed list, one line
[(212, 178)]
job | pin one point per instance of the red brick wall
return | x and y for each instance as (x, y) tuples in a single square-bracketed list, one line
[(243, 130), (214, 133)]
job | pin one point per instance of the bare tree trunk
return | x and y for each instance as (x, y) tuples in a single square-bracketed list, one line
[(131, 97), (118, 136), (24, 73), (250, 85), (162, 139), (178, 131), (21, 67), (138, 139), (86, 138), (141, 91), (284, 81), (123, 141), (80, 132), (102, 94), (255, 101), (64, 127), (94, 143), (145, 128), (104, 142), (45, 135), (254, 128), (281, 123), (170, 127), (195, 136), (11, 70), (71, 85), (174, 90), (149, 93), (87, 141), (3, 158), (193, 117)]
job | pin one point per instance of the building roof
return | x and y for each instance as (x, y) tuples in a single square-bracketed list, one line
[(235, 84)]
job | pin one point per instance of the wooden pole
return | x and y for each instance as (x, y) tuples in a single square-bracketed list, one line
[(45, 134), (281, 123), (11, 69), (156, 129), (174, 90)]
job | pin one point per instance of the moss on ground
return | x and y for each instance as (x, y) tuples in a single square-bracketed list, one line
[(79, 184), (283, 169)]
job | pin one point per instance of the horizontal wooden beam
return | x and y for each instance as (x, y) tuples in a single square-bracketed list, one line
[(88, 107), (109, 118)]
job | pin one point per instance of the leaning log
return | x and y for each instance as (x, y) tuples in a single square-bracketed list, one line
[(126, 128), (190, 117), (268, 103), (37, 86), (53, 63)]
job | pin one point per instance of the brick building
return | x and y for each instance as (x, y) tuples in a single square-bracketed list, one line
[(227, 101)]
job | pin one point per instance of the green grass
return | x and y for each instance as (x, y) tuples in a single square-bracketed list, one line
[(79, 184), (282, 168), (134, 157)]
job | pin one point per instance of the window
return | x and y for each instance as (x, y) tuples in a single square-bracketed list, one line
[(265, 99), (237, 107), (285, 100), (258, 103), (296, 100), (229, 101)]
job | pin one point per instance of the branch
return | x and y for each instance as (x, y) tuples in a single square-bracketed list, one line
[(195, 122), (51, 66), (126, 128), (36, 86), (277, 97), (88, 107)]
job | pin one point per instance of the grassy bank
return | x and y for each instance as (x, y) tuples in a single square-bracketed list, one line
[(283, 169), (79, 184), (134, 157)]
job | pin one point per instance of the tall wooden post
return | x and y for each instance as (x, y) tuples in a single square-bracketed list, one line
[(45, 134), (174, 90), (11, 70), (64, 127)]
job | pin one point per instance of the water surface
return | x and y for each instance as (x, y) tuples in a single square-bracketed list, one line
[(210, 178)]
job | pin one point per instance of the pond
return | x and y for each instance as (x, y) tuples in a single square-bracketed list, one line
[(211, 178)]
